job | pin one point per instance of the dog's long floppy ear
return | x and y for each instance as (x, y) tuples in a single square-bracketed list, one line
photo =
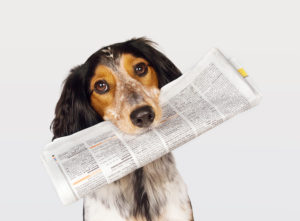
[(166, 70), (73, 111)]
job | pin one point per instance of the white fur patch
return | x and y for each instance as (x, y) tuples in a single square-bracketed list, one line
[(108, 52)]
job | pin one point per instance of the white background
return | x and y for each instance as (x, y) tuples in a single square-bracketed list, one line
[(245, 169)]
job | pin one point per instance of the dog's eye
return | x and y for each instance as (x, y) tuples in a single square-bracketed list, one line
[(141, 69), (101, 87)]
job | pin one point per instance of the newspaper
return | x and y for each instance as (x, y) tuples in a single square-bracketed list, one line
[(212, 92)]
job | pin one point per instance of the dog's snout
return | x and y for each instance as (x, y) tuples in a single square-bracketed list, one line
[(142, 116)]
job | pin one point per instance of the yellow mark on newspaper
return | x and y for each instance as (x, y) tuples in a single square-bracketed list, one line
[(168, 118), (88, 176), (243, 72), (97, 144)]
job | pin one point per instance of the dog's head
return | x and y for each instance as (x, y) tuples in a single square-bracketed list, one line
[(120, 83)]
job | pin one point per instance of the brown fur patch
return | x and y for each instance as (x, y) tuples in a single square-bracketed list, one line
[(150, 79), (136, 219), (100, 102)]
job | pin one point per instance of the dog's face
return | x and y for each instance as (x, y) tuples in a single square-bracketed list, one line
[(124, 90), (119, 83)]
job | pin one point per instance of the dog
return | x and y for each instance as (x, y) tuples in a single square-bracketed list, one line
[(121, 83)]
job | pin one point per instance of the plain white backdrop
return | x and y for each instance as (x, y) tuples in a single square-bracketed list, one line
[(245, 169)]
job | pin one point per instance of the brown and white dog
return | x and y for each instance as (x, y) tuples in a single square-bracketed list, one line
[(121, 83)]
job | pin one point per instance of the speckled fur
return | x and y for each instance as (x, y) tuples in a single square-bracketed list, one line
[(130, 94), (166, 191)]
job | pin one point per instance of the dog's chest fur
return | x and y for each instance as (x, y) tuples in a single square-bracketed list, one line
[(155, 192)]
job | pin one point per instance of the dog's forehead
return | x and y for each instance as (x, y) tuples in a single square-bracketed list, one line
[(117, 62), (107, 51), (109, 58), (112, 69)]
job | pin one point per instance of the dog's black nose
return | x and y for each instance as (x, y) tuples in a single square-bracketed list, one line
[(142, 116)]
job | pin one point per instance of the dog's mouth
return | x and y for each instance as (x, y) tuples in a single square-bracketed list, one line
[(136, 121)]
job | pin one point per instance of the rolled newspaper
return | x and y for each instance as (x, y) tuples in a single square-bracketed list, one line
[(212, 92)]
